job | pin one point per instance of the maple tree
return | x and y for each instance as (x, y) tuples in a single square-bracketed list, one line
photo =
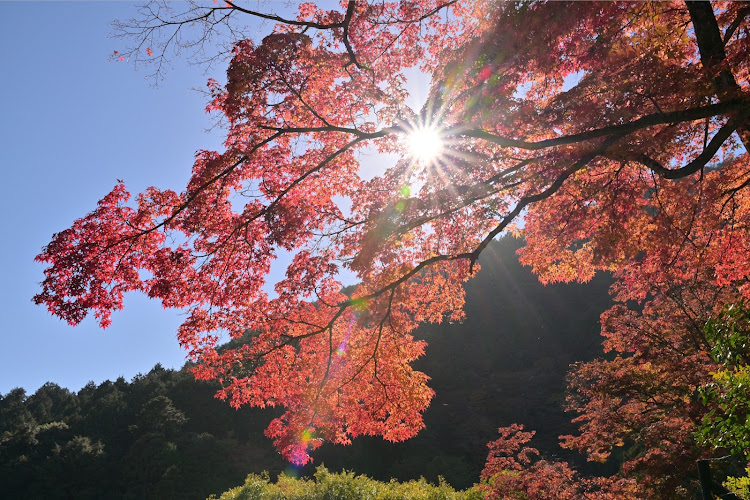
[(618, 131), (514, 470)]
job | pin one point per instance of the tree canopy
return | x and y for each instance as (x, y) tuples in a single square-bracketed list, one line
[(617, 132)]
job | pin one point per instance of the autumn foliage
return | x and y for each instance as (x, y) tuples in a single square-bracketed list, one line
[(618, 131)]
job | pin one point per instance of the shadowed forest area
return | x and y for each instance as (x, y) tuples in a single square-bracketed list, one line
[(164, 435)]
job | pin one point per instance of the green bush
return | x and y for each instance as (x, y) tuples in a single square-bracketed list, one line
[(342, 486), (726, 425)]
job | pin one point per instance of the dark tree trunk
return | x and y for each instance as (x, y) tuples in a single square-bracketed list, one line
[(711, 48)]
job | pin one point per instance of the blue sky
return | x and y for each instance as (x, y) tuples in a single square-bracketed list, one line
[(72, 123)]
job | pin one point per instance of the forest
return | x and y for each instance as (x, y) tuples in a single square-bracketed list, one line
[(612, 136)]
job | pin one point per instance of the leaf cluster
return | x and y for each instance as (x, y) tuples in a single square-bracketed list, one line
[(726, 425), (345, 486)]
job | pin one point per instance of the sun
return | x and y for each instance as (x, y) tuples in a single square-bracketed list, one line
[(425, 144)]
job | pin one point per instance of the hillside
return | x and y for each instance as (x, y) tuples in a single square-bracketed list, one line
[(505, 363)]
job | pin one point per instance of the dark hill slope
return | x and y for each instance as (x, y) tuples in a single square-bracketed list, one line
[(505, 363)]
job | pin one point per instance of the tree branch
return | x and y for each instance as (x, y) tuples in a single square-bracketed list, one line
[(678, 173), (735, 24), (291, 22), (672, 117), (347, 43)]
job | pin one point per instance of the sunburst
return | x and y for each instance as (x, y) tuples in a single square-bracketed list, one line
[(424, 143)]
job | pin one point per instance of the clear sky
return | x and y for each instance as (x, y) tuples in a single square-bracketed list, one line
[(72, 123)]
